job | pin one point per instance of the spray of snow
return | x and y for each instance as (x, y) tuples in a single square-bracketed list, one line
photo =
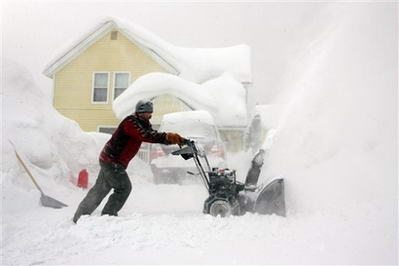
[(339, 130)]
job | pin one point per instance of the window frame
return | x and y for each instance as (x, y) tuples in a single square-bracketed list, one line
[(92, 87), (105, 126), (114, 81)]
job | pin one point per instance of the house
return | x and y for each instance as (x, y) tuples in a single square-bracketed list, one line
[(90, 74)]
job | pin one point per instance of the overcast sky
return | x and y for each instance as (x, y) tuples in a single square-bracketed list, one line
[(278, 33)]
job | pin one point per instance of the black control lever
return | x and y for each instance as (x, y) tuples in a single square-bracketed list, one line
[(188, 151)]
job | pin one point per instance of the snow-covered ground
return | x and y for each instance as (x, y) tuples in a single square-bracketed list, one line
[(335, 143), (164, 225)]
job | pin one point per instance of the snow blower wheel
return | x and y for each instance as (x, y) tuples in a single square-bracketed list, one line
[(220, 207)]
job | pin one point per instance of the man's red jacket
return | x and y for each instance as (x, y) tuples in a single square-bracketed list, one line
[(127, 139)]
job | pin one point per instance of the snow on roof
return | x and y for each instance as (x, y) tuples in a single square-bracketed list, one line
[(194, 64), (74, 48), (224, 97)]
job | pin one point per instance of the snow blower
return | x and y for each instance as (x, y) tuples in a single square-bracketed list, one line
[(227, 196)]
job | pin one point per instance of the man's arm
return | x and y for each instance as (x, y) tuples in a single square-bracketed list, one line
[(146, 134)]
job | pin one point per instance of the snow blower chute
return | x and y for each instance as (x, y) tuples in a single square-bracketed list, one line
[(227, 196)]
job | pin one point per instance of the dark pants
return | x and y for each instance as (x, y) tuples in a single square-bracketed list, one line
[(111, 176)]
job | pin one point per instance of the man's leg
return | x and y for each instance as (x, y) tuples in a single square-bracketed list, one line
[(118, 179), (94, 197)]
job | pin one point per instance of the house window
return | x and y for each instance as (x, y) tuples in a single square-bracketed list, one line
[(106, 129), (121, 82), (100, 88), (114, 35)]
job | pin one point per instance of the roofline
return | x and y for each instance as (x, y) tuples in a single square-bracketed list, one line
[(151, 52), (99, 32), (81, 45)]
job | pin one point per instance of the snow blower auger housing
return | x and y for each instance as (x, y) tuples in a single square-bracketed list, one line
[(227, 196)]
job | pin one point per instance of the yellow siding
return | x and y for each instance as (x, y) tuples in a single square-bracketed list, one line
[(73, 83)]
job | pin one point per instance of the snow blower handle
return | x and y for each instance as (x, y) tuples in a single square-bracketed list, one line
[(187, 142)]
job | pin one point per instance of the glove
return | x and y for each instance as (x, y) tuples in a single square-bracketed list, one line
[(175, 138)]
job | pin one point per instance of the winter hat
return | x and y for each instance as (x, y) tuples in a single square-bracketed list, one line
[(144, 106)]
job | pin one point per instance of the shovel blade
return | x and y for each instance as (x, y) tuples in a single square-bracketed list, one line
[(47, 201), (271, 199)]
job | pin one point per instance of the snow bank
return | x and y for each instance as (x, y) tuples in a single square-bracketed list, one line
[(223, 97), (53, 147)]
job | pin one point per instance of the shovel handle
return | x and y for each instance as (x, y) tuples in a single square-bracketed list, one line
[(26, 168)]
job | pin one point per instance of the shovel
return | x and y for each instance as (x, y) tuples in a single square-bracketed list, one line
[(45, 200)]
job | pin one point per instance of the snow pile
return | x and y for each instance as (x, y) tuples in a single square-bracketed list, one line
[(223, 97), (53, 144), (53, 147)]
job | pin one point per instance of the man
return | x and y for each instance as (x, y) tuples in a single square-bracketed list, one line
[(115, 157)]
